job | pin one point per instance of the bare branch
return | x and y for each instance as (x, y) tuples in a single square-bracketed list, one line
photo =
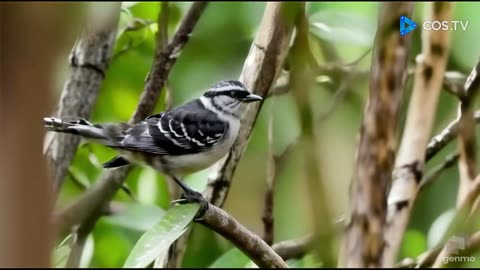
[(449, 161), (453, 82), (439, 141), (410, 162), (88, 207), (302, 79), (261, 68), (267, 218), (89, 60), (466, 133), (363, 243), (294, 248), (253, 246)]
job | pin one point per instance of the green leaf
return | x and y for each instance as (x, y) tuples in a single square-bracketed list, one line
[(136, 216), (234, 258), (343, 27), (155, 241), (414, 243), (61, 253), (87, 253), (439, 228), (146, 10)]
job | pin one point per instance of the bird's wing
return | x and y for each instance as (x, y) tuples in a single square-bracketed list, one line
[(178, 132)]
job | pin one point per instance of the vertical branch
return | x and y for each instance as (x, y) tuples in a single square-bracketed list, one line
[(30, 46), (261, 68), (410, 162), (88, 208), (89, 60), (267, 218), (302, 79), (466, 134), (363, 242)]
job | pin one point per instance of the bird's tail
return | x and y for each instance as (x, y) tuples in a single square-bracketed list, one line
[(83, 128)]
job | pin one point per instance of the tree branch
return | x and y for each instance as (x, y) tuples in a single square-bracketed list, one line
[(363, 242), (439, 141), (89, 60), (253, 246), (449, 161), (466, 132), (268, 217), (302, 79), (87, 209), (410, 162), (294, 248), (261, 68)]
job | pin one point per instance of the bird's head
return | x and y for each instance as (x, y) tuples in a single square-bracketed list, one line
[(229, 95)]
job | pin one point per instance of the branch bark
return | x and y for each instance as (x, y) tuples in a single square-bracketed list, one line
[(439, 141), (410, 163), (261, 68), (294, 248), (302, 79), (268, 216), (87, 209), (31, 45), (89, 60), (363, 244), (253, 246), (466, 133)]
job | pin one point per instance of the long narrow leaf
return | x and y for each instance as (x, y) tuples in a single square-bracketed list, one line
[(161, 236)]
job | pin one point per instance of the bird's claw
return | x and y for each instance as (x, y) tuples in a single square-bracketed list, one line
[(194, 197)]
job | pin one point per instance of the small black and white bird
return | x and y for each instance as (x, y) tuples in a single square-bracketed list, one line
[(177, 142)]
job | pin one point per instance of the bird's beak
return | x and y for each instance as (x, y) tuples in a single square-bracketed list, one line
[(252, 98)]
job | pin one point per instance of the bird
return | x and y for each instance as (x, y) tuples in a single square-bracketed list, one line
[(183, 140)]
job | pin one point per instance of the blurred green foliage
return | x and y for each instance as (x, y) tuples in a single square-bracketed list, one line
[(216, 51)]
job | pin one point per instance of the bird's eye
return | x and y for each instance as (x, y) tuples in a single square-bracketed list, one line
[(233, 94)]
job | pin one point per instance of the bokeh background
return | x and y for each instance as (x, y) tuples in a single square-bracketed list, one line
[(216, 51)]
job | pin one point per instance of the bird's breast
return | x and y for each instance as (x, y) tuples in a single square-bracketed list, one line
[(187, 164)]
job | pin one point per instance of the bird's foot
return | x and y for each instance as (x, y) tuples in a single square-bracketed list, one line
[(192, 196)]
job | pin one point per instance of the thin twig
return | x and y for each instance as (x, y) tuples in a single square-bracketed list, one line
[(439, 141), (466, 134), (262, 66), (86, 210), (363, 243), (268, 218), (410, 161), (253, 246), (294, 248), (339, 96), (89, 60), (449, 161), (453, 82), (302, 79)]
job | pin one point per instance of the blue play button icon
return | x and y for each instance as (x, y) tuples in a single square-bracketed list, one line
[(406, 25)]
